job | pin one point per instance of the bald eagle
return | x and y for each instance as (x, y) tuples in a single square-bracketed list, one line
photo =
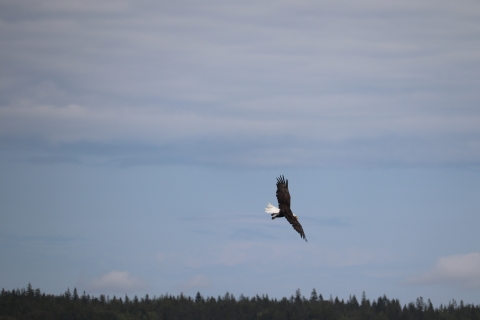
[(283, 197)]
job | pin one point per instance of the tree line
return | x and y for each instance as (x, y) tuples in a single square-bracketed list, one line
[(29, 303)]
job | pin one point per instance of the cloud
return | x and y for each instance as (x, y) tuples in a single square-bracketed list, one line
[(160, 257), (115, 281), (458, 270), (227, 83), (264, 254), (196, 282), (198, 137)]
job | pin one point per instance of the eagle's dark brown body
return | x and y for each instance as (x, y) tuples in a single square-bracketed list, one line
[(283, 197)]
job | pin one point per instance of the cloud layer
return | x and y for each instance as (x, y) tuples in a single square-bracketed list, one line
[(230, 83), (262, 255), (117, 282), (458, 270), (197, 282)]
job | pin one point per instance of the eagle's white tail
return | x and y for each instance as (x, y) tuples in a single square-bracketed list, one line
[(270, 209)]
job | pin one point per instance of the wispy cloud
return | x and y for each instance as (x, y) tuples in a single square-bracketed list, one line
[(196, 282), (262, 254), (115, 281), (314, 84), (458, 270)]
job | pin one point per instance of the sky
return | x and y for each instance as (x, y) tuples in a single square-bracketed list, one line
[(140, 143)]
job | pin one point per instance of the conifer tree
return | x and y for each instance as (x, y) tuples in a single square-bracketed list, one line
[(314, 296), (67, 294)]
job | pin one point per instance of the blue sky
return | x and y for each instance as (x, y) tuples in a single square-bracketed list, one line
[(140, 142)]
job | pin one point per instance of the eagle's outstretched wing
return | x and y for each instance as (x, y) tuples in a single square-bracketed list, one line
[(283, 197), (295, 224)]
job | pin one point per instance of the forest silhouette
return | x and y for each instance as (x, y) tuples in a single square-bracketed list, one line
[(29, 303)]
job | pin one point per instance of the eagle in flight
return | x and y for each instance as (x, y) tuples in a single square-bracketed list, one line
[(283, 197)]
